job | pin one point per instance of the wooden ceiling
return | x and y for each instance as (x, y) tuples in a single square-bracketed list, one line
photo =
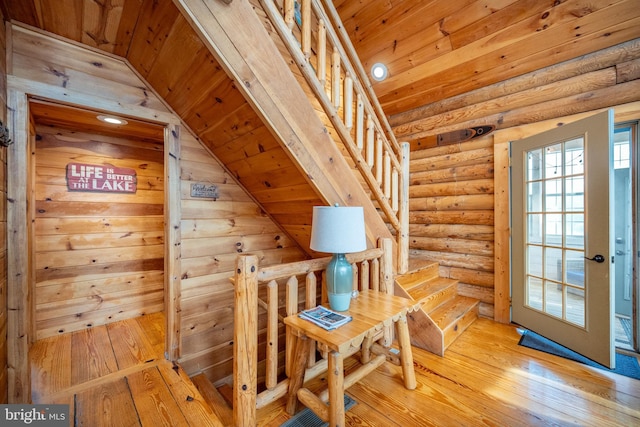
[(438, 49), (159, 43), (435, 50), (50, 114)]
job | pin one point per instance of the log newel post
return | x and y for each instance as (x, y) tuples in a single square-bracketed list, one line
[(245, 341), (403, 214), (387, 281)]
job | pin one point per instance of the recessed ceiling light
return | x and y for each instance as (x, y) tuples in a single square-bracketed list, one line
[(112, 119), (379, 72)]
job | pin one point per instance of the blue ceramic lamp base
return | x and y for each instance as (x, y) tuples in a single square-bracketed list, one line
[(339, 282)]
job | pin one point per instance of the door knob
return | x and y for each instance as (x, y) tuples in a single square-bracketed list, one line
[(598, 258)]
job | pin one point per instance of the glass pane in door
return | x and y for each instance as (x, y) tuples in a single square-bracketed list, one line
[(554, 236), (623, 229)]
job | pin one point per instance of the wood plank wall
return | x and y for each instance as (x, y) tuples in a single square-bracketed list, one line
[(3, 218), (213, 231), (99, 256)]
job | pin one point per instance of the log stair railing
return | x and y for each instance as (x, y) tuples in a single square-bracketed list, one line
[(444, 315), (258, 322), (318, 43)]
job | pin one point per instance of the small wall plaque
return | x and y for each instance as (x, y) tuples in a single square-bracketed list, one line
[(204, 191)]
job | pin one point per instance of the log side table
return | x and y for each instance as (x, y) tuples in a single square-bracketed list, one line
[(371, 311)]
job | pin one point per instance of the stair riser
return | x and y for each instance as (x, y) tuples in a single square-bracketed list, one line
[(433, 301), (412, 280)]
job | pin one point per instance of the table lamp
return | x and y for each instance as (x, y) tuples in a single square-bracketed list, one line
[(338, 230)]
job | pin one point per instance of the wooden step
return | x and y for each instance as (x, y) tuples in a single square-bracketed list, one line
[(416, 277), (418, 263), (444, 314), (434, 292), (454, 316), (213, 397)]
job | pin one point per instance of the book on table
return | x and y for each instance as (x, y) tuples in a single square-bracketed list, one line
[(324, 317)]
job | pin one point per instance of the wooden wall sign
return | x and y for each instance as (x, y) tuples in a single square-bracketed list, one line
[(107, 179), (204, 191)]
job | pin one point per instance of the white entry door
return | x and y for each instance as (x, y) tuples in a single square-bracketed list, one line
[(562, 285)]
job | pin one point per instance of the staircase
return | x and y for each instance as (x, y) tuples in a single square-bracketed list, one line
[(444, 315)]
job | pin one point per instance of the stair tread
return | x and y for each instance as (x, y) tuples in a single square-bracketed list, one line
[(213, 397), (431, 287), (449, 312), (416, 278), (416, 264)]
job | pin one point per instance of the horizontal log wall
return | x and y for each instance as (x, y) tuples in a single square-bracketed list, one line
[(99, 256), (451, 215), (597, 80), (452, 205)]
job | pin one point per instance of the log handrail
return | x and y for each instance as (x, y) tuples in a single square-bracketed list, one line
[(373, 269), (349, 102)]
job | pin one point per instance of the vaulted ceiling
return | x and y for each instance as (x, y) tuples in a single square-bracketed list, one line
[(434, 49)]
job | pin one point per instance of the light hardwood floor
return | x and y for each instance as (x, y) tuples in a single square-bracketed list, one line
[(116, 375), (486, 378)]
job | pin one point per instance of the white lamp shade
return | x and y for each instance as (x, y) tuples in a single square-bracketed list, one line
[(338, 229)]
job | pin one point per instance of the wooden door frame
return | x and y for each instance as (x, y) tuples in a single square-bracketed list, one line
[(20, 268), (502, 201)]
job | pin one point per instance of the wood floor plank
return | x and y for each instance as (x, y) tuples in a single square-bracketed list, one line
[(194, 408), (406, 407), (106, 405), (130, 344), (466, 398), (153, 399), (91, 355), (485, 393), (154, 326), (485, 378), (50, 366), (553, 370), (560, 390), (274, 414), (73, 390)]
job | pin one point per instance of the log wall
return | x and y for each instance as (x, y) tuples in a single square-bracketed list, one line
[(451, 215), (3, 219), (99, 257), (459, 193)]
